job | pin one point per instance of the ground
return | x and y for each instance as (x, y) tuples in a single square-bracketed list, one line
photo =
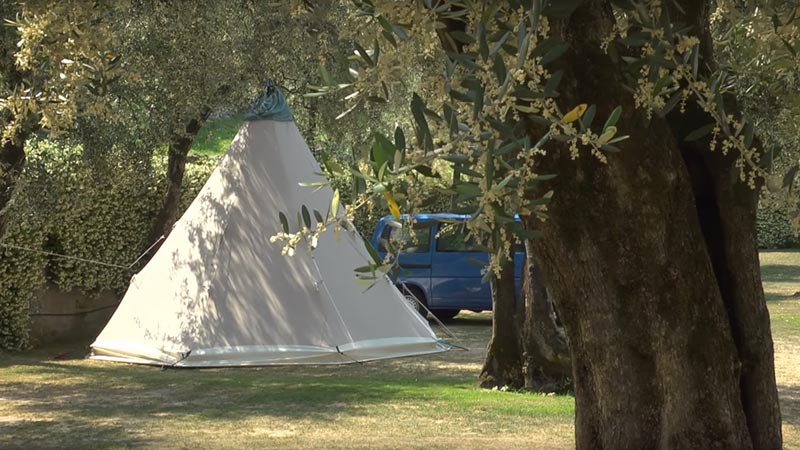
[(430, 402), (781, 273)]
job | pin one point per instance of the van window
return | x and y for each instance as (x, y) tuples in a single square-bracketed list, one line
[(420, 242), (455, 239)]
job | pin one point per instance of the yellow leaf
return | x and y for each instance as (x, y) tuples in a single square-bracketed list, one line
[(393, 208), (575, 114)]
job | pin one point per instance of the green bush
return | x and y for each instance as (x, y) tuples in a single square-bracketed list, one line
[(96, 206), (773, 225), (21, 272)]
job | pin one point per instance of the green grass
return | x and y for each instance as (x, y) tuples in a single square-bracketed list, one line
[(426, 403), (780, 272), (215, 137)]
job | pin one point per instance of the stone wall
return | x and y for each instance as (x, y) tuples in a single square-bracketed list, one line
[(58, 317)]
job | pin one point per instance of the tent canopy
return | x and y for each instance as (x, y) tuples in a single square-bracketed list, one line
[(219, 293)]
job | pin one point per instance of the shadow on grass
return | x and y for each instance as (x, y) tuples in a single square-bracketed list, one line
[(104, 403), (47, 403), (45, 434), (780, 272), (790, 403), (110, 387)]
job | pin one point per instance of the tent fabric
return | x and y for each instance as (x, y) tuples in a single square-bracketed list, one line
[(219, 293)]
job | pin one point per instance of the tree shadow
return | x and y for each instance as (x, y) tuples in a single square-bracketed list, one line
[(96, 404), (780, 272), (790, 403), (34, 434)]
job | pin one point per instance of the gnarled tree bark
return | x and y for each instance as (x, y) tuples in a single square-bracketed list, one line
[(503, 365), (657, 283), (546, 363), (727, 211)]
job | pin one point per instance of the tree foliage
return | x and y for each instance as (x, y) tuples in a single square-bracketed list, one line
[(467, 119), (59, 63), (509, 101), (758, 44)]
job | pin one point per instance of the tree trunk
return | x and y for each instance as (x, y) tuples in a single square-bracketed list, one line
[(503, 366), (665, 316), (727, 211), (546, 363), (12, 160), (176, 166)]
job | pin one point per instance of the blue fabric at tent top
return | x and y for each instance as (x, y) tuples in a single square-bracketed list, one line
[(270, 105)]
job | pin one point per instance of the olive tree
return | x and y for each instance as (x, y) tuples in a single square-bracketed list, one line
[(57, 62), (612, 129)]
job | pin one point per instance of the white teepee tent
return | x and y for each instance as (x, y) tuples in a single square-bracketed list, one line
[(218, 293)]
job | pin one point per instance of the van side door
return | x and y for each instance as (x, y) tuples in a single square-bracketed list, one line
[(456, 271)]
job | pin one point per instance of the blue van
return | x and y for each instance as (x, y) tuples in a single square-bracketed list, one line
[(443, 270)]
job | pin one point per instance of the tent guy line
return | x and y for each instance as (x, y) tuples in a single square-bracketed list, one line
[(76, 258)]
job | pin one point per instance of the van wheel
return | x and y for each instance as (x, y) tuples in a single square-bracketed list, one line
[(415, 298), (445, 314)]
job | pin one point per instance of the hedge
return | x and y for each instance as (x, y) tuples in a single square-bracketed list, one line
[(774, 225), (85, 205)]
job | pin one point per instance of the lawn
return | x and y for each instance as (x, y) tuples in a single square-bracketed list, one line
[(216, 136), (426, 403), (781, 273)]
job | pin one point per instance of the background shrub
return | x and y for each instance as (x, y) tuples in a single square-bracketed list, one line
[(92, 205), (773, 224)]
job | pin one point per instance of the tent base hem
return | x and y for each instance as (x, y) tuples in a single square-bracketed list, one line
[(269, 355)]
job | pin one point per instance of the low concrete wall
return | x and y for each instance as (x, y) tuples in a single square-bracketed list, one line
[(58, 316)]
